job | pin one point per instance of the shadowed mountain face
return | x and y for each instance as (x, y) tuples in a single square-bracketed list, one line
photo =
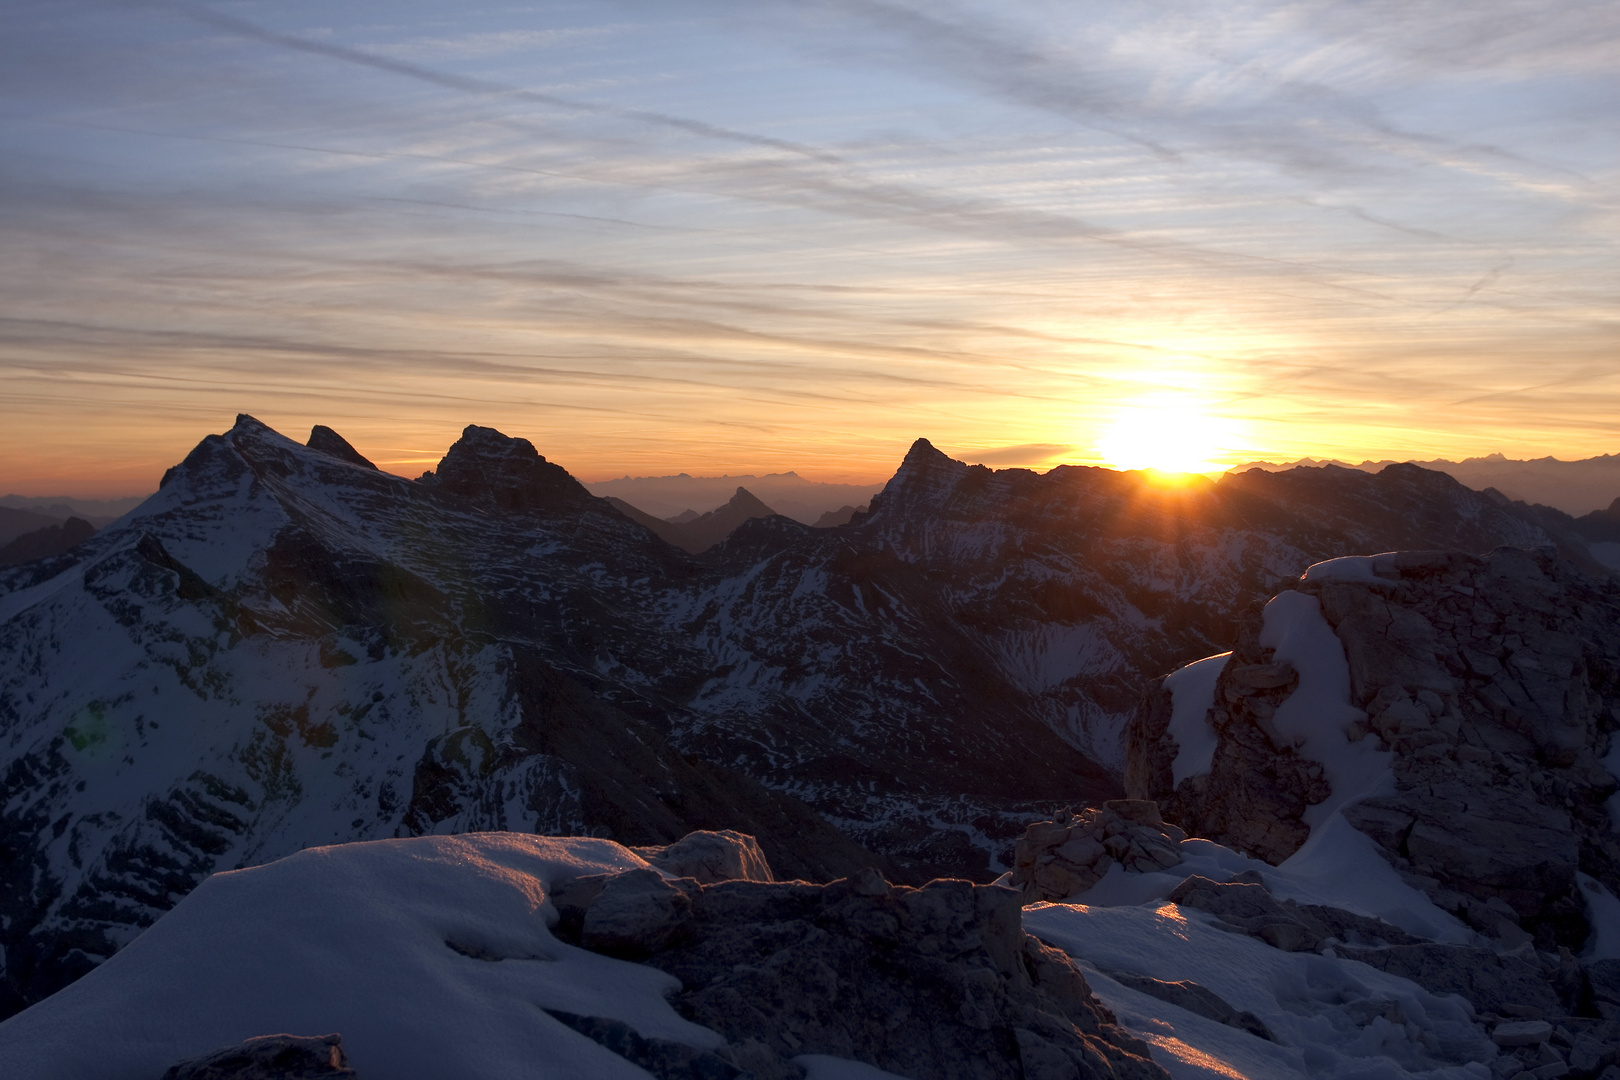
[(696, 533), (43, 543), (286, 647), (15, 522), (1573, 487)]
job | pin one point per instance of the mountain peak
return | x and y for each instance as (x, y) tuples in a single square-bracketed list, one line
[(923, 450), (486, 466), (248, 423), (746, 503), (926, 477), (332, 444)]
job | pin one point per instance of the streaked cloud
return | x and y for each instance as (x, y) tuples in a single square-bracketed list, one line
[(703, 237)]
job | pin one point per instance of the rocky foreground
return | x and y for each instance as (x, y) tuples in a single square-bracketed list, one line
[(580, 957)]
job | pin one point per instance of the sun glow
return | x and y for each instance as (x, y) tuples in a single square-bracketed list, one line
[(1166, 438)]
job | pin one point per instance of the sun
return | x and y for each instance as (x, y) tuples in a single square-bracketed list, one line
[(1169, 438)]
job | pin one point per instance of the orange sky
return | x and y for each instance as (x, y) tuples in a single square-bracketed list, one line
[(679, 239)]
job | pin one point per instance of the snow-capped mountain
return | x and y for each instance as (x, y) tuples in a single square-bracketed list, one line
[(285, 648)]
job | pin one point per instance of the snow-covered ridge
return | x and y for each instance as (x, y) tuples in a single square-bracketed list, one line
[(286, 648)]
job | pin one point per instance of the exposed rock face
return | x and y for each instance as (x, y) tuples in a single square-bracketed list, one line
[(939, 981), (329, 442), (1258, 787), (270, 1057), (1195, 999), (291, 649), (1071, 853), (490, 469), (708, 857), (1495, 681)]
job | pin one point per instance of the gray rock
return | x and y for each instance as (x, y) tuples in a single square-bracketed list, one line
[(1195, 999), (1603, 976), (1057, 859), (708, 857), (662, 1058), (1489, 980), (1251, 909), (1494, 682), (939, 981), (1521, 1033), (269, 1057), (636, 912)]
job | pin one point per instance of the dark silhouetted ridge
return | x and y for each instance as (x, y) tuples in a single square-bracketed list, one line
[(329, 442)]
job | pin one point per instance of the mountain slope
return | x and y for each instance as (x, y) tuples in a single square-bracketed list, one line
[(285, 647)]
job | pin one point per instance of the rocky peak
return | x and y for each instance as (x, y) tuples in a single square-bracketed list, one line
[(498, 471), (745, 502), (329, 442), (1490, 683), (924, 482)]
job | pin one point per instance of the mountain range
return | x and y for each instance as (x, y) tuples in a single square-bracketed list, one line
[(1575, 487), (788, 494), (285, 648)]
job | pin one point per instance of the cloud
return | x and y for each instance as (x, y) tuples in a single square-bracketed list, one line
[(1028, 454), (469, 85)]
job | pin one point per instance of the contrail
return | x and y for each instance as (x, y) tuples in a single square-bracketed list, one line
[(468, 85)]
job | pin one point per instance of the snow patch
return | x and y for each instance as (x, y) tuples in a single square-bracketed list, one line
[(1337, 867), (1603, 912), (371, 940), (1611, 762), (1315, 716), (1330, 1016), (1369, 569), (1192, 693), (823, 1067)]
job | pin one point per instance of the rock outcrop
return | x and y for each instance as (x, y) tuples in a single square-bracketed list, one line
[(493, 470), (270, 1057), (1072, 852), (332, 444), (938, 981), (1495, 682), (707, 856)]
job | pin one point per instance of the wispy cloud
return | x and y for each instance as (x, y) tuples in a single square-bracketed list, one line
[(799, 235)]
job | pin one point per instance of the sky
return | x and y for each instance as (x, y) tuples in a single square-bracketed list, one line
[(798, 234)]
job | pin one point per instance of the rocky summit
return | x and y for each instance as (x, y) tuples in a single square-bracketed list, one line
[(1491, 685), (286, 647)]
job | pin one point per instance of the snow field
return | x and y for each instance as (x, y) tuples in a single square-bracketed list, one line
[(1334, 1019), (369, 940), (1192, 693)]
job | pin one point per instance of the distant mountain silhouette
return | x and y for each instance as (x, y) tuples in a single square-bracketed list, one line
[(98, 512), (789, 494), (1575, 487), (841, 516), (670, 531), (51, 540), (694, 532), (717, 524), (14, 523)]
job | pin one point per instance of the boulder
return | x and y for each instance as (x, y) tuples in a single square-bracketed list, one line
[(269, 1057), (937, 981), (1057, 859), (708, 857), (637, 912), (1491, 981)]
